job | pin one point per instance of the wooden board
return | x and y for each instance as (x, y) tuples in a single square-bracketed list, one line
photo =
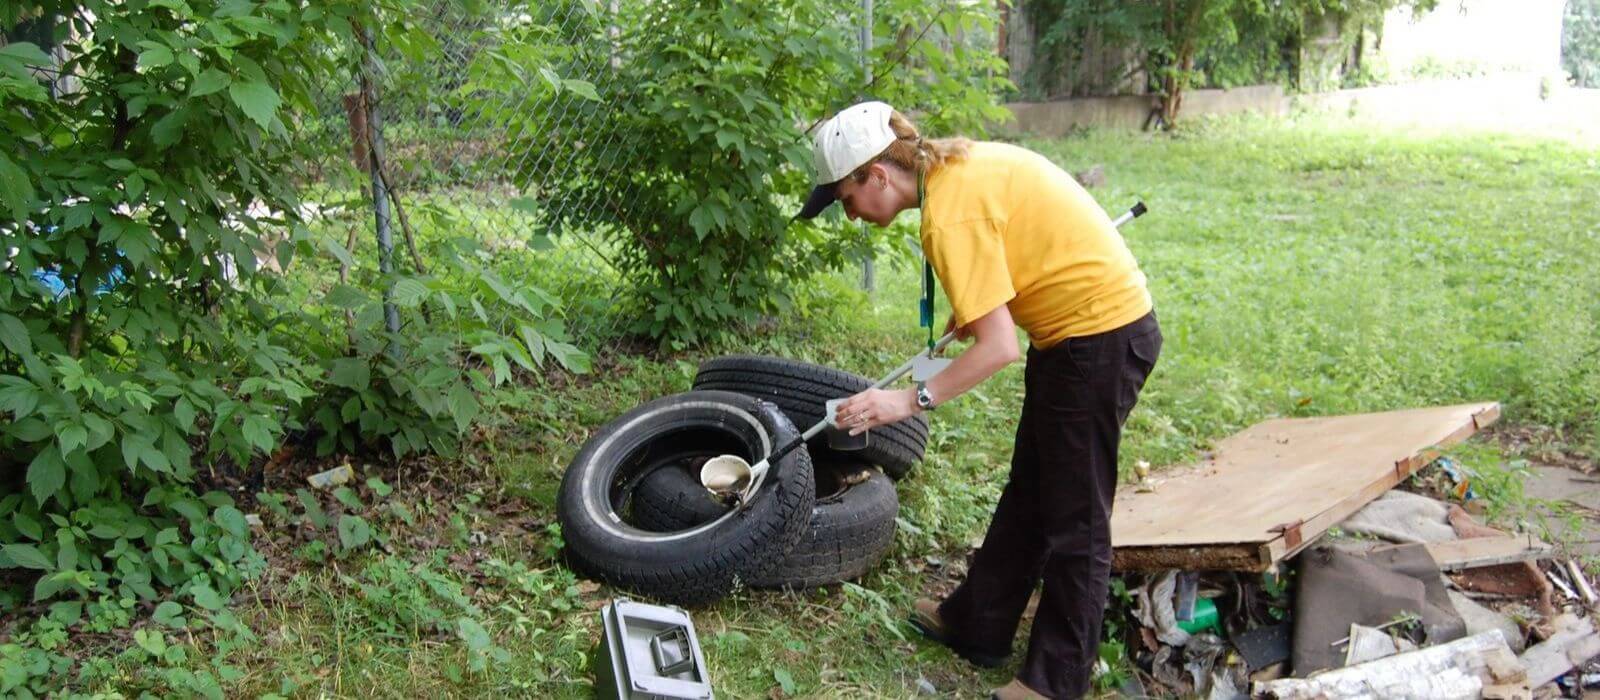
[(1273, 489), (1472, 553)]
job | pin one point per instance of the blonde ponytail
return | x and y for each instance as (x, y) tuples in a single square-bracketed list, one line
[(909, 150)]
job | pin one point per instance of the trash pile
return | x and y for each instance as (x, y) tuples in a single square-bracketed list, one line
[(633, 511), (1409, 597)]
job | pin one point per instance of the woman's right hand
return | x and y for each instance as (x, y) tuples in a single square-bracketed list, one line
[(963, 333)]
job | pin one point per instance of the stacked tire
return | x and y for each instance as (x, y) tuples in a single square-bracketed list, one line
[(634, 514)]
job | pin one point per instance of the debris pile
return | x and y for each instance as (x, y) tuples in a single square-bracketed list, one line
[(1361, 590)]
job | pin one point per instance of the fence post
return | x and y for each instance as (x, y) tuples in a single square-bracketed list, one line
[(380, 194), (869, 272)]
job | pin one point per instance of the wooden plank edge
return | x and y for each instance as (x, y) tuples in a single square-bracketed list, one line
[(1244, 556), (1498, 550)]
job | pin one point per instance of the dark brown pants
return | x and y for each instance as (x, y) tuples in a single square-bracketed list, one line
[(1054, 517)]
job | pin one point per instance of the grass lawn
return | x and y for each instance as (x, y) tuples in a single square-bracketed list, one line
[(1299, 268)]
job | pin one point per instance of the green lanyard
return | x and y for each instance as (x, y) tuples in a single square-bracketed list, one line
[(927, 268)]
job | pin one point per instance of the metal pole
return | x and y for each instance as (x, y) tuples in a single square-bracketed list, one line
[(869, 272), (380, 194)]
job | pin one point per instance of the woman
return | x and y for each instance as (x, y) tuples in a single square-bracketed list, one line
[(1015, 241)]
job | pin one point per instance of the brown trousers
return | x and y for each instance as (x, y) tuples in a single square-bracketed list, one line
[(1054, 517)]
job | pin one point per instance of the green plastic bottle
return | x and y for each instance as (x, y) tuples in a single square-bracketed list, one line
[(1205, 617)]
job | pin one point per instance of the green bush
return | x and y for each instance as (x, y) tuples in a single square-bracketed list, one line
[(131, 190), (147, 190), (704, 155), (1580, 42)]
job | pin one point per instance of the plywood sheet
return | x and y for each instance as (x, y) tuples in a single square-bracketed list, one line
[(1271, 490)]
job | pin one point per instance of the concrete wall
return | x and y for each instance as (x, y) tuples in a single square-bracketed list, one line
[(1058, 118), (1495, 35), (1510, 99)]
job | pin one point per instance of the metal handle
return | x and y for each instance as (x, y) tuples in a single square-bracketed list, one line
[(680, 649), (1135, 212)]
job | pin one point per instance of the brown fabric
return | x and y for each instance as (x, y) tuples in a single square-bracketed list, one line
[(1053, 521), (1339, 588), (1466, 527)]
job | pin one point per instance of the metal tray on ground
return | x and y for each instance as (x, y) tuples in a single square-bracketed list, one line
[(648, 652)]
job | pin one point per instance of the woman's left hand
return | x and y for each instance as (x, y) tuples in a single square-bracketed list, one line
[(875, 407)]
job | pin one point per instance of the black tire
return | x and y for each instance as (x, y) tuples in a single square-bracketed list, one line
[(850, 530), (672, 499), (801, 390), (702, 564)]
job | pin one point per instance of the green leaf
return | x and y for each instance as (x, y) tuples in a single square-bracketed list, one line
[(26, 53), (154, 55), (472, 632), (463, 406), (351, 373), (73, 437), (347, 496), (66, 553), (183, 410), (409, 292), (132, 445), (27, 556), (169, 128), (46, 474), (258, 100), (583, 88), (13, 334), (257, 431), (211, 80), (16, 189), (338, 251), (18, 396), (169, 614), (154, 458), (151, 641), (784, 679), (526, 205), (207, 598), (345, 296), (232, 520), (353, 532), (570, 357), (55, 583), (133, 186), (29, 430), (379, 488), (27, 526), (67, 612)]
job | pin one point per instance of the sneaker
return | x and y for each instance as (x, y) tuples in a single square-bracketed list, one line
[(926, 620)]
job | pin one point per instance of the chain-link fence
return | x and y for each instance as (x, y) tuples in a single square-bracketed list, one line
[(473, 123), (465, 126)]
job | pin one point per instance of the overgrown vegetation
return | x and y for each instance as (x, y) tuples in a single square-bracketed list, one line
[(150, 175), (714, 154), (1580, 42), (1179, 44)]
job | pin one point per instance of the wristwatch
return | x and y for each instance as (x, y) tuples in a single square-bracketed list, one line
[(924, 397)]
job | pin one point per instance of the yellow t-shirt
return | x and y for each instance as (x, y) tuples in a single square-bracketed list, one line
[(1006, 226)]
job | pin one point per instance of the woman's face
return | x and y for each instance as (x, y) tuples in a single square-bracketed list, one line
[(871, 199)]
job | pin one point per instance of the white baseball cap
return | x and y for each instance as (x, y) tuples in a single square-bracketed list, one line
[(850, 139)]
